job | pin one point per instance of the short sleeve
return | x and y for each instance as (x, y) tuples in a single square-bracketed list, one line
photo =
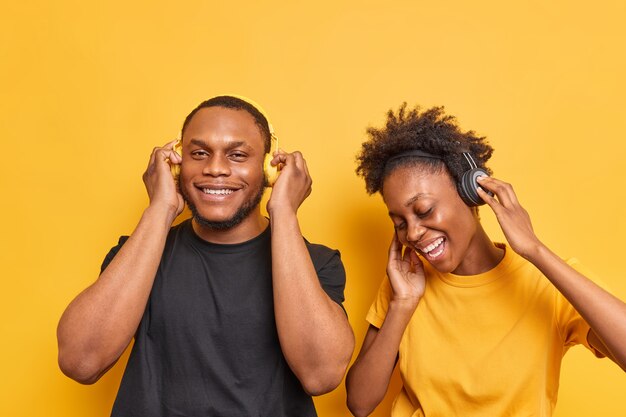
[(114, 250), (378, 310), (573, 328), (330, 271)]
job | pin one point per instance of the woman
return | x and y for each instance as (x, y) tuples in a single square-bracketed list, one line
[(478, 328)]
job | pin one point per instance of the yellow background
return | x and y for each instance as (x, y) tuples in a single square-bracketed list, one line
[(87, 89)]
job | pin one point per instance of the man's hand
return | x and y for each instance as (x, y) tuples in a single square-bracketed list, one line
[(160, 184), (293, 185)]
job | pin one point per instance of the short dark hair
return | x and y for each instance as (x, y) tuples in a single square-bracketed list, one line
[(430, 131), (235, 103)]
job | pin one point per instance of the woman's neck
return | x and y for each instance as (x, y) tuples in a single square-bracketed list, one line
[(482, 255)]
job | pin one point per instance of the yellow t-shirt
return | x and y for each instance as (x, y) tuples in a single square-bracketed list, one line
[(484, 345)]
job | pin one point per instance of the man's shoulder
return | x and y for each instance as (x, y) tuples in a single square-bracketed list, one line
[(172, 234), (181, 227), (319, 248), (322, 254)]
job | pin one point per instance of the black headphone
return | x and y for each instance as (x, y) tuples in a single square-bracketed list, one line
[(467, 186)]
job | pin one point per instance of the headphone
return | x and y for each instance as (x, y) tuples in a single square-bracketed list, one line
[(467, 186), (270, 172)]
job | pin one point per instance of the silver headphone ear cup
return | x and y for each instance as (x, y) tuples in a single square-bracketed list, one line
[(468, 187)]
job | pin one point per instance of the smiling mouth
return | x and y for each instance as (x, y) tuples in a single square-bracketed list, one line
[(221, 191), (434, 250)]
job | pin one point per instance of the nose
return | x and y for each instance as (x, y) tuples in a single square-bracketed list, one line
[(217, 165), (415, 232)]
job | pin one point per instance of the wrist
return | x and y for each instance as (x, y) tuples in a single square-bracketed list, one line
[(161, 211), (540, 255), (535, 252), (399, 313), (404, 306), (282, 212)]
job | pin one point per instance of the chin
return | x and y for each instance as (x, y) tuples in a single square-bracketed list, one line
[(442, 270), (443, 267), (214, 215), (220, 222)]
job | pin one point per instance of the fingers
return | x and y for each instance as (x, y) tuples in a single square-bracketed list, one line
[(395, 248), (161, 160), (502, 190), (293, 185), (405, 258), (506, 205), (302, 167), (171, 153), (292, 159), (489, 199), (293, 164), (416, 261), (278, 157), (165, 153), (411, 260)]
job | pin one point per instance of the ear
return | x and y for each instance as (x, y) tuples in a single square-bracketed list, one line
[(476, 213)]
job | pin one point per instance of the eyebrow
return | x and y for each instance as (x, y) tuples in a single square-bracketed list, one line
[(231, 145), (414, 199), (409, 202)]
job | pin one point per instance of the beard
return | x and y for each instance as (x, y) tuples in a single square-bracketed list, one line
[(243, 211)]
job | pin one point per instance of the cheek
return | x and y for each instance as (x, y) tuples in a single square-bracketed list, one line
[(464, 223), (455, 219), (252, 173), (190, 165), (402, 237)]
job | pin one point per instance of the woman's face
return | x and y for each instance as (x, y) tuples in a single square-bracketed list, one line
[(430, 217)]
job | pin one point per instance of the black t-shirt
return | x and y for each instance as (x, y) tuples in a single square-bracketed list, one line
[(207, 344)]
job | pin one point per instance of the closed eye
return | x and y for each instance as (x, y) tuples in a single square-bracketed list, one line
[(424, 214), (399, 226)]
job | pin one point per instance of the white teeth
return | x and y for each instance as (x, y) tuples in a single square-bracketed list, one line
[(436, 254), (433, 246), (224, 191)]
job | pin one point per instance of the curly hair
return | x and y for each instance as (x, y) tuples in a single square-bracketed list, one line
[(431, 131)]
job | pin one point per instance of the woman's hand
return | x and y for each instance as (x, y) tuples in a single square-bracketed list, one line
[(513, 218), (406, 274)]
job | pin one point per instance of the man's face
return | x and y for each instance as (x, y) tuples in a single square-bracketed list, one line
[(221, 176)]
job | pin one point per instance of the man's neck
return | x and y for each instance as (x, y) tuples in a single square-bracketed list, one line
[(249, 228)]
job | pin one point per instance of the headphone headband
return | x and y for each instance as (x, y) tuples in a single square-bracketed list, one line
[(413, 152), (256, 106), (470, 160), (467, 184), (422, 154)]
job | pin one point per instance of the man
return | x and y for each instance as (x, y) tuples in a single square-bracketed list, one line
[(233, 314)]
